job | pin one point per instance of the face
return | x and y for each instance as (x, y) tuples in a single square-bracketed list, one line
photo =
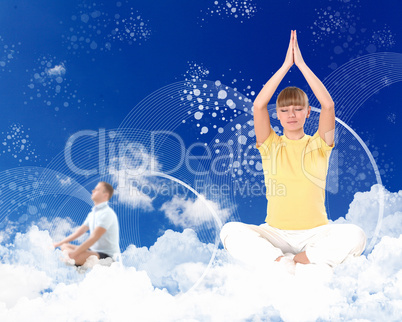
[(99, 194), (293, 117)]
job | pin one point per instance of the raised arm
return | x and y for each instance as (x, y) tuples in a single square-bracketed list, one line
[(262, 124), (326, 126), (79, 232)]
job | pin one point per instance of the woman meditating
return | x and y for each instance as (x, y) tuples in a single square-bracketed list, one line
[(296, 228)]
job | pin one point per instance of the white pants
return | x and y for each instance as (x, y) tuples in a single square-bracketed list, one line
[(259, 245)]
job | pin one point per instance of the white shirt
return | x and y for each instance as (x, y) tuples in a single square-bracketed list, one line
[(104, 216)]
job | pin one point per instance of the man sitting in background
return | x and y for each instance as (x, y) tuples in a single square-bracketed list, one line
[(102, 222)]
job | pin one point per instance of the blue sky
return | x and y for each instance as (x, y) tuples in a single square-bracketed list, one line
[(155, 96), (101, 83)]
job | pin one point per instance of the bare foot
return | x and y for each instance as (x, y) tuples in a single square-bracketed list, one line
[(301, 258), (278, 259)]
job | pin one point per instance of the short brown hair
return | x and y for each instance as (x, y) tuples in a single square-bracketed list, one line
[(292, 96), (108, 187)]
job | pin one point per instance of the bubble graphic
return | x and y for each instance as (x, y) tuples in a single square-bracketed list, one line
[(16, 144), (198, 115), (32, 210), (49, 85), (195, 72), (384, 38), (7, 54), (341, 22), (222, 94), (95, 28), (391, 118), (240, 10), (242, 139)]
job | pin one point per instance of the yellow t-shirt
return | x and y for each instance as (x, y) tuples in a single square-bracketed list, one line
[(295, 174)]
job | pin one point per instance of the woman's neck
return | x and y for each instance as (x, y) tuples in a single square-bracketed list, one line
[(294, 135)]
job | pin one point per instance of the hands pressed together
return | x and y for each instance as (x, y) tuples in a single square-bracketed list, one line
[(293, 55)]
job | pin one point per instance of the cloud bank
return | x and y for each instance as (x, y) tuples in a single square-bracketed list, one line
[(155, 284), (364, 211)]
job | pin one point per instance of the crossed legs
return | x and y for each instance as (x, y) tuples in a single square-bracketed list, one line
[(329, 244), (81, 258)]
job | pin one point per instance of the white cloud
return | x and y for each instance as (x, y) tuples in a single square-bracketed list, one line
[(364, 211), (21, 281), (8, 228), (59, 228), (132, 196), (363, 288), (132, 174), (163, 260), (35, 249), (187, 213), (57, 70), (65, 182), (371, 286)]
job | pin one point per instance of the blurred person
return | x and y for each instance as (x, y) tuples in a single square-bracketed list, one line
[(102, 222)]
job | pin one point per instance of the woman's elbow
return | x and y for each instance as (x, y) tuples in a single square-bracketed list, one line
[(259, 106), (330, 105)]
